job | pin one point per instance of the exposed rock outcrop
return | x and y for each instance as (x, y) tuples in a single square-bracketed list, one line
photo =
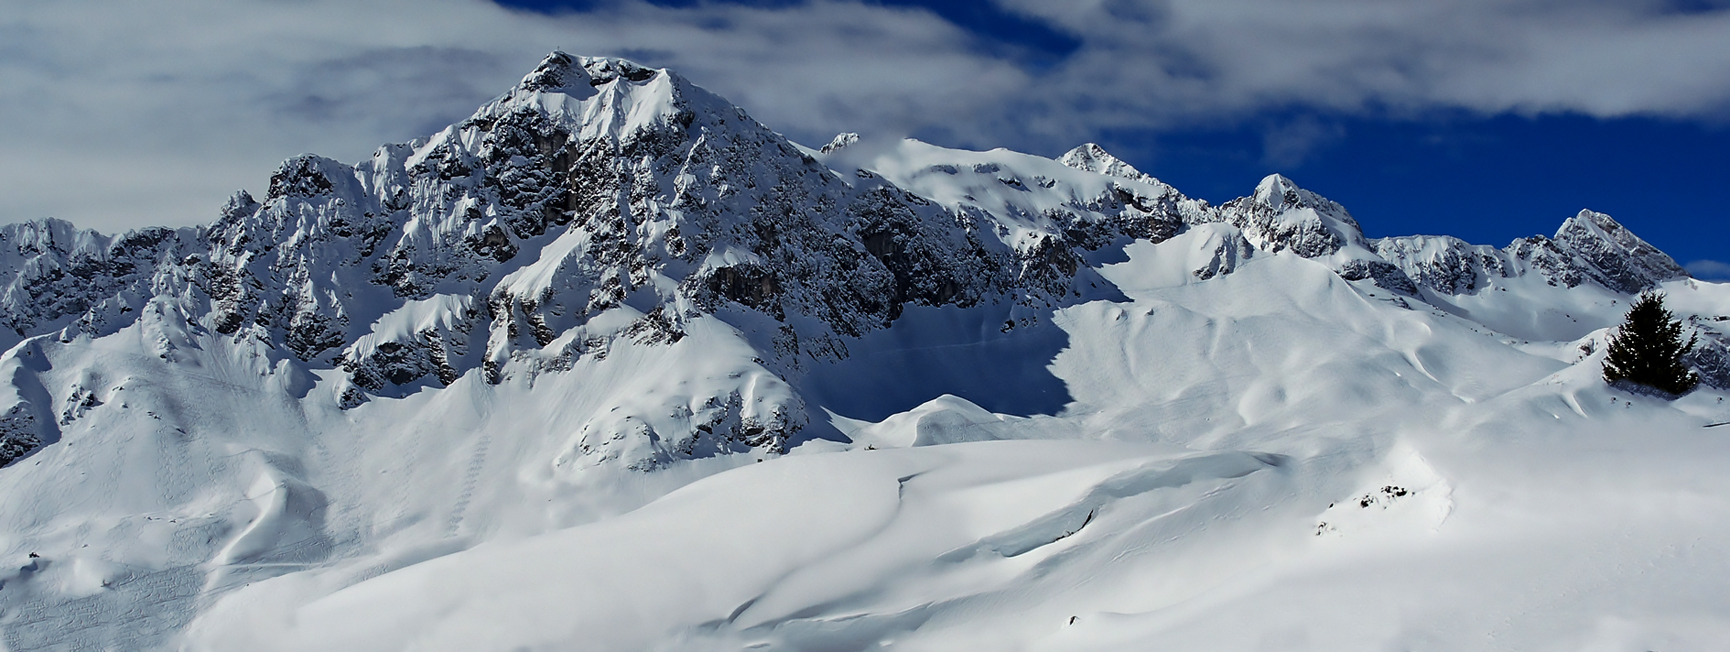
[(1589, 247)]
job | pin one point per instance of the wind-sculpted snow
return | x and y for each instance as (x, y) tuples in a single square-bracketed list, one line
[(432, 387), (866, 521)]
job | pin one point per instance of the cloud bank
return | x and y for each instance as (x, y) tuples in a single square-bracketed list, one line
[(1192, 58), (1710, 270), (125, 114)]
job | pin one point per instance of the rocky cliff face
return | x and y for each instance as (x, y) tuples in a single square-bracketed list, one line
[(59, 277), (1589, 247), (598, 187)]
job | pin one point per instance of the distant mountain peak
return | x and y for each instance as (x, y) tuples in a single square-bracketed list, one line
[(557, 72), (1279, 215), (574, 75), (605, 69), (841, 140), (1614, 256), (1596, 224), (1279, 192), (1091, 157), (1589, 246)]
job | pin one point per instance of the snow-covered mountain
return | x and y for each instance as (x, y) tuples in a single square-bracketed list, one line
[(509, 386)]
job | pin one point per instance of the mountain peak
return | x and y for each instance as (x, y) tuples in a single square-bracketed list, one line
[(555, 73), (1279, 193), (1598, 224), (564, 73), (1276, 191), (605, 69), (594, 97), (1091, 157), (840, 141), (1617, 258)]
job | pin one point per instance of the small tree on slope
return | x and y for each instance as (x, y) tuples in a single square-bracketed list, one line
[(1647, 349)]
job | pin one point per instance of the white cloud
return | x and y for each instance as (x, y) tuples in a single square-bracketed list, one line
[(1287, 145), (1174, 61), (1710, 270), (123, 114), (126, 114)]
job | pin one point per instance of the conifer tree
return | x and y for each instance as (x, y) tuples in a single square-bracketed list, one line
[(1647, 349)]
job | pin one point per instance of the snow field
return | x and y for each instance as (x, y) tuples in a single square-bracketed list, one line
[(1350, 474)]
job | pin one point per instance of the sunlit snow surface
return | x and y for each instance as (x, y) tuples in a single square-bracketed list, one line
[(1272, 459)]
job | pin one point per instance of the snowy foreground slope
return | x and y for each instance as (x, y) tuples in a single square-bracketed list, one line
[(610, 366)]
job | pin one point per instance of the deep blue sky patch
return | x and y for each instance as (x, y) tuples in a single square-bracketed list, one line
[(1028, 41), (1484, 179)]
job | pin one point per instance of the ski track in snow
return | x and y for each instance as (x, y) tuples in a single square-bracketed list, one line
[(471, 478)]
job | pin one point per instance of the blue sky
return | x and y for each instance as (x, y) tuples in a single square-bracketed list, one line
[(1487, 177), (1485, 119)]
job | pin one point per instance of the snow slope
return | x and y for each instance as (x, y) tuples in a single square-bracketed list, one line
[(610, 366), (1345, 472)]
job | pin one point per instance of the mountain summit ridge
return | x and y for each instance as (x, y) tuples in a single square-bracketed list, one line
[(597, 183)]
